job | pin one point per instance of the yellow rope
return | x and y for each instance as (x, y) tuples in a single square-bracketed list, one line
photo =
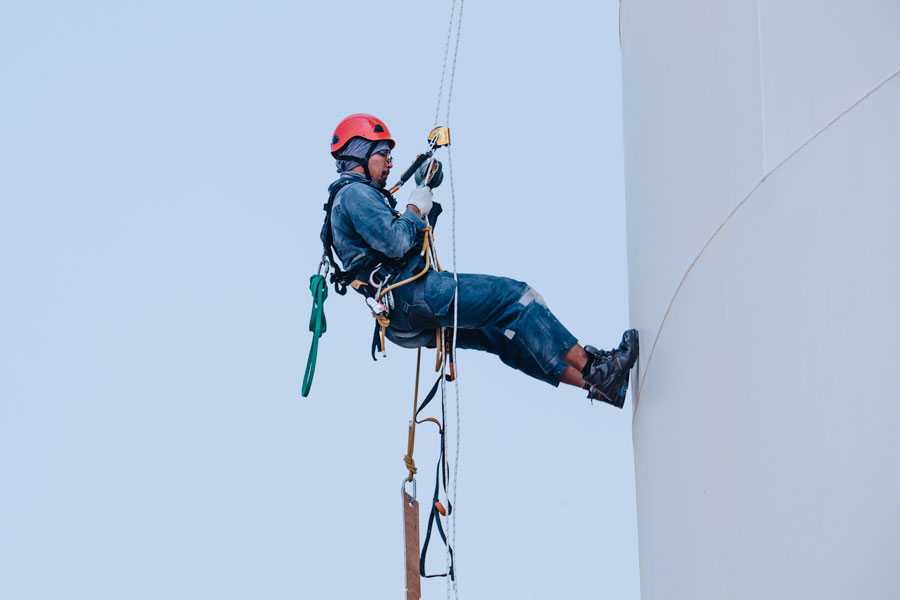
[(408, 459), (426, 251), (384, 322)]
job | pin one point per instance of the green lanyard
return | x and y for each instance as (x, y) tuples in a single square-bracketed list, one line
[(317, 325)]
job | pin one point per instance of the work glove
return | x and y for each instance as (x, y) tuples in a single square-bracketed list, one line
[(436, 178), (422, 198)]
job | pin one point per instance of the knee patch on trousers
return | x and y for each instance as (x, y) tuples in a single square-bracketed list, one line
[(539, 333), (530, 295)]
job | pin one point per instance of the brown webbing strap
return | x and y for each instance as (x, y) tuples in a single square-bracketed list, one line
[(411, 546)]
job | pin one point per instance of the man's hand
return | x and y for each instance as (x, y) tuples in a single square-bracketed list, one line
[(421, 200)]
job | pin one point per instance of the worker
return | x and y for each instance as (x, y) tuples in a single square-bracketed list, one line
[(378, 245)]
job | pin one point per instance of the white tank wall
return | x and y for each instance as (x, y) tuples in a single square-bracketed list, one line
[(767, 423)]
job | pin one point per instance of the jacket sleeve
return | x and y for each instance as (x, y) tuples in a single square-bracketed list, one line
[(391, 235)]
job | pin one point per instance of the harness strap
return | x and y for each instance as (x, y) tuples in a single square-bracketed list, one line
[(429, 397), (378, 341), (364, 163), (440, 477), (340, 278), (327, 237)]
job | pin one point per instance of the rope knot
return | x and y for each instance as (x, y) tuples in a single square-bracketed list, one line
[(410, 464)]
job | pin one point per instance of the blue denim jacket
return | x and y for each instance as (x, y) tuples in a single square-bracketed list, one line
[(363, 223)]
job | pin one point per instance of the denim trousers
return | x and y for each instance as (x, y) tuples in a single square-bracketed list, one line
[(499, 315)]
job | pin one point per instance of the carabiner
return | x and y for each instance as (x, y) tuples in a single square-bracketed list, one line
[(324, 263), (372, 277), (403, 488)]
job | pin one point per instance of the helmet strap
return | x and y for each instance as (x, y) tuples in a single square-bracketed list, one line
[(368, 156), (364, 163)]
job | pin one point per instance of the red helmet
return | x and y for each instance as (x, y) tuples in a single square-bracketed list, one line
[(359, 125)]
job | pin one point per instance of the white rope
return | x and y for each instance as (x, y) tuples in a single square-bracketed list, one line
[(437, 110), (455, 54), (453, 479), (452, 587)]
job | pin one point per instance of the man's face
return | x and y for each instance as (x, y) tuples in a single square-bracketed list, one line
[(380, 167)]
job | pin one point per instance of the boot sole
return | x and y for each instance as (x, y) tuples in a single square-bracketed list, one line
[(636, 350)]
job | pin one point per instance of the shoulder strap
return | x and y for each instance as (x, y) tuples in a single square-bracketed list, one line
[(389, 197), (327, 237), (340, 278)]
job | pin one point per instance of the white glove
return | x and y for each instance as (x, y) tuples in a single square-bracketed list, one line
[(422, 198)]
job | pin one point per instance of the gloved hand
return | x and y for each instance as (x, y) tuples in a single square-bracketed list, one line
[(422, 198), (436, 179)]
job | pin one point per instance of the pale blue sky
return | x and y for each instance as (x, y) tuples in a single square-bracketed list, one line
[(162, 170)]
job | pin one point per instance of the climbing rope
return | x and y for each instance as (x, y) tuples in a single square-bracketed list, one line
[(453, 479), (440, 95), (446, 346), (317, 325), (451, 559)]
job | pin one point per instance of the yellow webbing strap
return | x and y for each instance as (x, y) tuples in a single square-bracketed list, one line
[(382, 320), (408, 459), (411, 442), (439, 344)]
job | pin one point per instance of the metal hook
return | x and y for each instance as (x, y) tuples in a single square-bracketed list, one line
[(372, 277), (325, 263), (403, 488)]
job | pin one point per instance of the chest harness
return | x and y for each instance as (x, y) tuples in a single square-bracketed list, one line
[(372, 276)]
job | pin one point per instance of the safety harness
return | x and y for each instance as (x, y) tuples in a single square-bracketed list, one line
[(375, 277), (372, 278), (373, 262)]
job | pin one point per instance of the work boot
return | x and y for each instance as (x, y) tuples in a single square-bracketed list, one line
[(596, 393), (606, 369)]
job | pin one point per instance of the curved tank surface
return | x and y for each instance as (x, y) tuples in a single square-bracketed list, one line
[(762, 166)]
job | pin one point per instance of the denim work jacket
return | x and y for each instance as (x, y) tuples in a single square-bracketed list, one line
[(363, 224)]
